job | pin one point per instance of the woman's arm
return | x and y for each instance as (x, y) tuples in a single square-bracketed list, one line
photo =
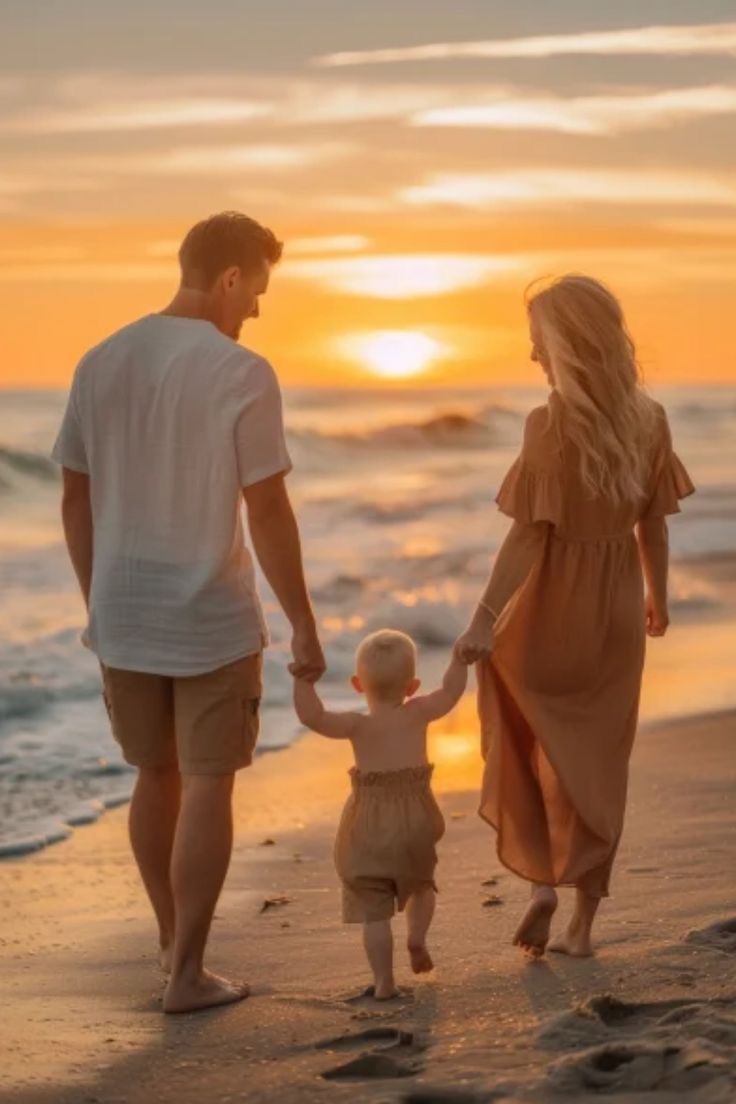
[(516, 557), (654, 552)]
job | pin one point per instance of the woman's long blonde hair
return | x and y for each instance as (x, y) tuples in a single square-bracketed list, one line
[(601, 408)]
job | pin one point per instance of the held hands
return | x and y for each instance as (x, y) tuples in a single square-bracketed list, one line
[(308, 658), (657, 617), (476, 642)]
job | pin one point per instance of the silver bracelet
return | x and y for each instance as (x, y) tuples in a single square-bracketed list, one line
[(488, 609)]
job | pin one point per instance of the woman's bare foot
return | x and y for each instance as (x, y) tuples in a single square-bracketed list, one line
[(533, 931), (574, 944), (165, 958), (206, 991), (420, 958)]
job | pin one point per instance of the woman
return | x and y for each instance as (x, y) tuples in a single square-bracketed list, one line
[(560, 628)]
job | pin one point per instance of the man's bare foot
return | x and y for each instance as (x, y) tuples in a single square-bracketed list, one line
[(421, 959), (533, 931), (165, 958), (206, 991), (577, 946)]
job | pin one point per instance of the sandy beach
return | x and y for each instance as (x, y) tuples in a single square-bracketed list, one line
[(654, 1012)]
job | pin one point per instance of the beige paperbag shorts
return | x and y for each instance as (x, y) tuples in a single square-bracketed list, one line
[(385, 846)]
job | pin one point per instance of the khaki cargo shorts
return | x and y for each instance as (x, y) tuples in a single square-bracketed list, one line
[(208, 724)]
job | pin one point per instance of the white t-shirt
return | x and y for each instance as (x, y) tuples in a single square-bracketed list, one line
[(171, 419)]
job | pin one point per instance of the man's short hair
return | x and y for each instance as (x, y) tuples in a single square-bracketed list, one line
[(223, 241)]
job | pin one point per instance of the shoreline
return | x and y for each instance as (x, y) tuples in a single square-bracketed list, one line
[(80, 972), (26, 848)]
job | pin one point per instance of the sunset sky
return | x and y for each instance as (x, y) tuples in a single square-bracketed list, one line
[(422, 161)]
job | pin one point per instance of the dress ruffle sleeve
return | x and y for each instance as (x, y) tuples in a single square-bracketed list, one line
[(532, 489), (528, 494), (673, 483)]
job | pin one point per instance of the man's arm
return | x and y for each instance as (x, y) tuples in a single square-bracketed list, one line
[(312, 713), (440, 702), (275, 536), (76, 516)]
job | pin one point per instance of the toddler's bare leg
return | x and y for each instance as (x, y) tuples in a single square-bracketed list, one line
[(378, 941), (419, 913)]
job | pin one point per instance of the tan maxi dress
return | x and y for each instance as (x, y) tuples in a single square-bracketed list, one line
[(559, 698)]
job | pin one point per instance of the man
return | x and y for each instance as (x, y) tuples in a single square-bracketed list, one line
[(169, 422)]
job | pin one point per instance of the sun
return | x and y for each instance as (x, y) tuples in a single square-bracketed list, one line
[(393, 354)]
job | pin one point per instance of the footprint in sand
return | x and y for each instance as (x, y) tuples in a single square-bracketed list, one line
[(451, 1096), (635, 1067), (398, 1058), (369, 996), (721, 935), (599, 1018)]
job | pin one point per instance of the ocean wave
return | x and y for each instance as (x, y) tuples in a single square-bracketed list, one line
[(15, 463), (23, 697), (449, 429)]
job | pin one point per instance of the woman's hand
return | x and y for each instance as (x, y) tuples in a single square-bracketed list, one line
[(477, 640), (657, 617)]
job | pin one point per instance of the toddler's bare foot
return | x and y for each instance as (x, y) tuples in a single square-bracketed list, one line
[(421, 959), (574, 944), (206, 991), (385, 990), (533, 931)]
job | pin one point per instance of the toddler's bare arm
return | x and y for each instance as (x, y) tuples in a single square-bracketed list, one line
[(312, 713), (440, 702)]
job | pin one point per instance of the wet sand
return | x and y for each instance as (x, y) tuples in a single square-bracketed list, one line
[(654, 1012)]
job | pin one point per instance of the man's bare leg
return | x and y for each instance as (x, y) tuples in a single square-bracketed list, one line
[(576, 940), (533, 931), (202, 847), (378, 941), (152, 817), (419, 913)]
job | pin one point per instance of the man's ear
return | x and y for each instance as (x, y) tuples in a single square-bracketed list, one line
[(356, 684), (413, 687)]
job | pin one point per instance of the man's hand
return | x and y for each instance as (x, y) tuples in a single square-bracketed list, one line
[(309, 661)]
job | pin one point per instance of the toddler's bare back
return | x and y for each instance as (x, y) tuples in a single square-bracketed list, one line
[(390, 739)]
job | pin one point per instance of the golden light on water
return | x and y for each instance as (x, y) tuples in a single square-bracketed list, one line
[(393, 354)]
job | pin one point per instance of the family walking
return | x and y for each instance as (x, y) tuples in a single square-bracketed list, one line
[(171, 425)]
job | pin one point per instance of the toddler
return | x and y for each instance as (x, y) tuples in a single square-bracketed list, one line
[(385, 847)]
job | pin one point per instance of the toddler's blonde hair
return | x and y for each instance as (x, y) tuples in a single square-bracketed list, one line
[(386, 661)]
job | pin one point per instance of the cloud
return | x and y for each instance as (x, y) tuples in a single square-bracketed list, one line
[(93, 273), (401, 276), (134, 115), (556, 188), (335, 243), (585, 115), (214, 160), (414, 276), (704, 38), (113, 103), (29, 254)]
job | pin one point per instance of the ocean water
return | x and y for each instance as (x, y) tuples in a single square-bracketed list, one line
[(394, 493)]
